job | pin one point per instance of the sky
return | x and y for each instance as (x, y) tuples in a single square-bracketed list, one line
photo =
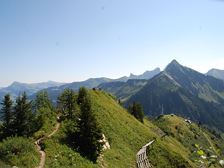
[(72, 40)]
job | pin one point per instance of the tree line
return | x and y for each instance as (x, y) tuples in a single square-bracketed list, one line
[(23, 118), (18, 118)]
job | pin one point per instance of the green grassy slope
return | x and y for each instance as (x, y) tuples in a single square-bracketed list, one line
[(202, 144), (126, 136)]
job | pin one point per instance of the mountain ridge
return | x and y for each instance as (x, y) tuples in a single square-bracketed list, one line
[(55, 88), (95, 82), (186, 92), (217, 73)]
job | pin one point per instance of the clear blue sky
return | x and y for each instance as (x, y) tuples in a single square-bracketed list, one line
[(71, 40)]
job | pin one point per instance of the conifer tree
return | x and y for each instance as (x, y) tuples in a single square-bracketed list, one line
[(24, 117), (137, 111), (89, 134), (44, 109), (67, 103), (42, 100), (82, 95), (7, 115)]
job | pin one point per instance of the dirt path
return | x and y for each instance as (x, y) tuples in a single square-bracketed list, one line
[(39, 148), (55, 130), (41, 151), (101, 162)]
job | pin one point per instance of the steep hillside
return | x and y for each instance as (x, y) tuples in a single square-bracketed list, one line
[(207, 88), (125, 134), (183, 91), (204, 146), (123, 90)]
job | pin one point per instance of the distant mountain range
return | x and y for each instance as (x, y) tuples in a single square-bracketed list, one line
[(97, 82), (125, 87), (55, 88), (177, 89), (186, 92), (17, 88), (145, 75)]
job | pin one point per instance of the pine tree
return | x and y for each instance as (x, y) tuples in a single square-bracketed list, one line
[(7, 115), (89, 134), (44, 109), (137, 111), (24, 117), (42, 100), (82, 95), (67, 103)]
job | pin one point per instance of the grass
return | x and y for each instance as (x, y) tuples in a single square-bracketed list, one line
[(126, 135), (198, 141)]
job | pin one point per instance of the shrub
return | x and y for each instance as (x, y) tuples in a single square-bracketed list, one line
[(19, 151)]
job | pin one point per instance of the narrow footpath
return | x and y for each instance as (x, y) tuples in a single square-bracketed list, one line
[(40, 149)]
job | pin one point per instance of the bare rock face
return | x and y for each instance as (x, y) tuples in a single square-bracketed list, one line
[(106, 144)]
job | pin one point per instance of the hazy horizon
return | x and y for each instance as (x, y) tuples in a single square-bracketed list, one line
[(68, 41), (161, 69)]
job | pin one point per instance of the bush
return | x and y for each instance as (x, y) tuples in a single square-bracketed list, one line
[(19, 151)]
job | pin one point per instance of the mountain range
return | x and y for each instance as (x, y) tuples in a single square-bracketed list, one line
[(55, 88), (177, 89), (124, 91), (145, 75), (186, 92), (96, 82), (179, 103), (17, 88)]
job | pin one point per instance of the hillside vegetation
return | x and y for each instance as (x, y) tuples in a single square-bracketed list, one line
[(125, 134), (204, 146)]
